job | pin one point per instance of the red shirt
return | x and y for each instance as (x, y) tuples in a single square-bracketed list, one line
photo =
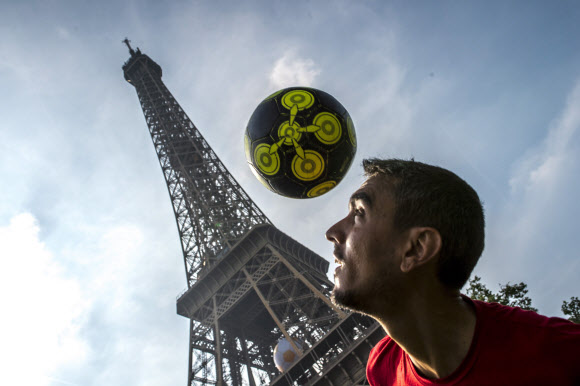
[(510, 346)]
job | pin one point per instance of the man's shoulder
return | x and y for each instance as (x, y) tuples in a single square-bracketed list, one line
[(537, 348), (515, 315), (526, 324)]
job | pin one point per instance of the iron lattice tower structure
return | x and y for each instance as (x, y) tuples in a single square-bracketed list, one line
[(248, 284)]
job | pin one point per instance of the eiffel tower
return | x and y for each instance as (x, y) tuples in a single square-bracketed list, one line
[(248, 284)]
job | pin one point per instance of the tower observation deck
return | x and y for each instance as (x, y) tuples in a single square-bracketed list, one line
[(248, 284)]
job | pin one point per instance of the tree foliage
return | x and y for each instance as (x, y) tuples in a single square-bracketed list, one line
[(572, 309), (513, 295)]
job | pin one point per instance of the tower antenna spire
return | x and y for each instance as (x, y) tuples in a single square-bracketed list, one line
[(127, 41)]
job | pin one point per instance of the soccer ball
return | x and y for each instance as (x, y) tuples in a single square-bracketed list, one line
[(285, 355), (300, 142)]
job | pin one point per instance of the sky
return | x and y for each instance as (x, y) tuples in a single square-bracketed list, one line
[(90, 259)]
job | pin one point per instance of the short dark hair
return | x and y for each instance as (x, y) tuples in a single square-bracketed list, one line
[(427, 195)]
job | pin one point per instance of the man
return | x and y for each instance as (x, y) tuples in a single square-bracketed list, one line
[(413, 235)]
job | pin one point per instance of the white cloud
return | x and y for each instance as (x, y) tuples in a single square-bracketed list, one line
[(542, 167), (128, 277), (40, 323), (292, 70), (545, 172), (133, 330), (533, 237)]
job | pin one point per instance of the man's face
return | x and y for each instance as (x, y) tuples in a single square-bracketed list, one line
[(365, 248)]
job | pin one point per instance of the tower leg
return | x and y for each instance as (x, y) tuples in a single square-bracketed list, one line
[(248, 364), (218, 348), (271, 312), (190, 372)]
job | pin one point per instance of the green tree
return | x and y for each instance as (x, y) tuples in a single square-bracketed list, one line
[(572, 309), (479, 291), (513, 295)]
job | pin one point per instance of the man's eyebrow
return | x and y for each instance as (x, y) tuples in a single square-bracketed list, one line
[(363, 196)]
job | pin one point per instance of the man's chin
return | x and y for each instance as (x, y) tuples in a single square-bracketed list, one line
[(345, 299)]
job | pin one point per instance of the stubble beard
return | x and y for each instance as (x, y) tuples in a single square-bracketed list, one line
[(352, 299), (347, 300), (361, 300)]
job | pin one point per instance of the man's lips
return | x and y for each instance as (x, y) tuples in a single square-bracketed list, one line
[(338, 257)]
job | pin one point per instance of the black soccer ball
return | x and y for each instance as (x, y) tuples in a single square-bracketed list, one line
[(300, 142)]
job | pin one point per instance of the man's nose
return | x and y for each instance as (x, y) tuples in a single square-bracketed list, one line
[(333, 233)]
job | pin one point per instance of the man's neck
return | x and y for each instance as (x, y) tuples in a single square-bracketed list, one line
[(435, 331)]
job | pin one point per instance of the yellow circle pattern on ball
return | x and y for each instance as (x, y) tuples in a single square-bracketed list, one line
[(330, 129), (268, 164), (308, 168), (288, 132), (299, 98), (320, 189), (351, 132)]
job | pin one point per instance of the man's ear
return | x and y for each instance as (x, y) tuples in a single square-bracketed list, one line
[(423, 244)]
